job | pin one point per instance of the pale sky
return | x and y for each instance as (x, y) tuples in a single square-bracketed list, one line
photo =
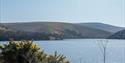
[(73, 11)]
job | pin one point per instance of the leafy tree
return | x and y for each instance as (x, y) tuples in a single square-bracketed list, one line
[(27, 52), (57, 58)]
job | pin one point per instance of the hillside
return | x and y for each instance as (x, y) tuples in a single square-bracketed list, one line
[(101, 26), (66, 30), (118, 35), (7, 34)]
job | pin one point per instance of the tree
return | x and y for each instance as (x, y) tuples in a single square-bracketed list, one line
[(27, 52)]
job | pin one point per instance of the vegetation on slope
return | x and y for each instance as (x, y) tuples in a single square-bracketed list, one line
[(7, 34), (27, 52), (55, 31), (118, 35), (101, 26), (19, 35), (62, 30)]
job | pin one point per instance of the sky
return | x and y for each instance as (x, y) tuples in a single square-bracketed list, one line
[(72, 11)]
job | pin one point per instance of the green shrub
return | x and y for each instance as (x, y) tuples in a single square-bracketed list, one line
[(27, 52)]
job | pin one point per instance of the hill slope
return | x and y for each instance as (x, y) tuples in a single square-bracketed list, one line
[(67, 30), (8, 33), (101, 26), (118, 35)]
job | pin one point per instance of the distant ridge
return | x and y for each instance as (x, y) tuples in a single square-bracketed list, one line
[(102, 26)]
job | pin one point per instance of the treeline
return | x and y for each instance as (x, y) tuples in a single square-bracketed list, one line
[(6, 35), (20, 35)]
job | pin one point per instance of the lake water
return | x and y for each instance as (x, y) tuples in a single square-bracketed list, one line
[(86, 50)]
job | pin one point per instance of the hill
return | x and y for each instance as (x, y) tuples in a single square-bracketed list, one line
[(118, 35), (65, 30), (101, 26)]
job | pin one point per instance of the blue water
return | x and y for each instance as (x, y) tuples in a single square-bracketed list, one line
[(86, 50)]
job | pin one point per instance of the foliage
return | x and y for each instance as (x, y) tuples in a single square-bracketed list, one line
[(118, 35), (6, 35), (27, 52)]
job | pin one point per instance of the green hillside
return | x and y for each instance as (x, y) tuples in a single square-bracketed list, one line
[(54, 30)]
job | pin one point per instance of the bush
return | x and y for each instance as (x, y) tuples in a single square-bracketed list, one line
[(27, 52)]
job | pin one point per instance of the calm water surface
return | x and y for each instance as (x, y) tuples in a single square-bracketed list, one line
[(86, 50)]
